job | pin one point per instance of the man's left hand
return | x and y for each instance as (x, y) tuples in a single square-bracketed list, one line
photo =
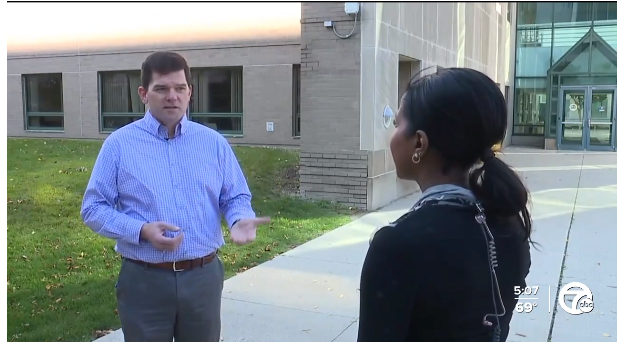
[(243, 231)]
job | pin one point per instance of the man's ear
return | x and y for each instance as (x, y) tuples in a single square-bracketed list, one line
[(142, 92)]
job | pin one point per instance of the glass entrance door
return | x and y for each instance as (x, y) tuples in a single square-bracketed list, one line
[(601, 119), (587, 118), (573, 111)]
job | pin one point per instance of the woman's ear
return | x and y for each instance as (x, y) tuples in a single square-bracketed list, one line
[(420, 142)]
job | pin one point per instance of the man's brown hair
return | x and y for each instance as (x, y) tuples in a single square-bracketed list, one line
[(163, 62)]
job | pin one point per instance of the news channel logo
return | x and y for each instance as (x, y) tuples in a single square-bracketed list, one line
[(582, 301)]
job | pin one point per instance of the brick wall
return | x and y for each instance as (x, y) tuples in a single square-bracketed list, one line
[(339, 176), (268, 98), (330, 77), (332, 165)]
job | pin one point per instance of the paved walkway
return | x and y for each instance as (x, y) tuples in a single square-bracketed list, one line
[(309, 294)]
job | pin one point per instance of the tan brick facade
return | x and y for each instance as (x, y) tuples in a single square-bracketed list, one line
[(335, 176), (81, 94), (332, 165)]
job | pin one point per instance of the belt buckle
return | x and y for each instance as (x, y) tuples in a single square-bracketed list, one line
[(175, 269)]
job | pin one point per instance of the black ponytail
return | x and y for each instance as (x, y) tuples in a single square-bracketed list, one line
[(501, 191)]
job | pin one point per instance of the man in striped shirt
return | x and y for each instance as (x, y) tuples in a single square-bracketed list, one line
[(159, 187)]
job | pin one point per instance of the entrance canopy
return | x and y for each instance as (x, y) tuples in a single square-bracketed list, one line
[(590, 55)]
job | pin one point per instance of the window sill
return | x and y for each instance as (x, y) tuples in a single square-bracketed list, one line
[(44, 131), (296, 137), (528, 135), (225, 135)]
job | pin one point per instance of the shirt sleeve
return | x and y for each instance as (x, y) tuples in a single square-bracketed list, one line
[(100, 199), (387, 289), (235, 199)]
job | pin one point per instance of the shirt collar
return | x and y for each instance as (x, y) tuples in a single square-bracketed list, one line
[(157, 129)]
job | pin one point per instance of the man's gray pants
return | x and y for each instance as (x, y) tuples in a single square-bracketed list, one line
[(158, 305)]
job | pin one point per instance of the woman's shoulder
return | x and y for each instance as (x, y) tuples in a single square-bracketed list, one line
[(419, 225), (393, 228), (436, 226)]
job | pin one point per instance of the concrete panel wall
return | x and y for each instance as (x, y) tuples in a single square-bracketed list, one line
[(15, 112), (470, 35), (511, 36)]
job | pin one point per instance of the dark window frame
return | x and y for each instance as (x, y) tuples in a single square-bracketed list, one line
[(296, 100), (42, 114), (107, 117), (207, 116)]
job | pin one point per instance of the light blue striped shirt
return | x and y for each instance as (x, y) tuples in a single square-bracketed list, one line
[(141, 176)]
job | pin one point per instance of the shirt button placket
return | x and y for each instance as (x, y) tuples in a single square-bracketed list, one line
[(173, 172)]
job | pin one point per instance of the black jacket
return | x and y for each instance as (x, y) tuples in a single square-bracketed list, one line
[(427, 277)]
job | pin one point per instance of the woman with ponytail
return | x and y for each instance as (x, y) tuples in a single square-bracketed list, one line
[(447, 269)]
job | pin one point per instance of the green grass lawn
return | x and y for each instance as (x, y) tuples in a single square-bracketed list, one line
[(61, 275)]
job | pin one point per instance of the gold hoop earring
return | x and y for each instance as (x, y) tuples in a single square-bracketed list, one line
[(413, 158)]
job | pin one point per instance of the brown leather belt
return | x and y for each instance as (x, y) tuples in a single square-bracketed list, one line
[(178, 266)]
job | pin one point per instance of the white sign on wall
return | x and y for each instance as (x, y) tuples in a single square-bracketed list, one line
[(388, 116)]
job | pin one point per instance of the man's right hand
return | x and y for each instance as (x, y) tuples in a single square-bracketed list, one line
[(154, 233)]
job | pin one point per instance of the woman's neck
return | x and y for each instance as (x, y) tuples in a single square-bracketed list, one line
[(448, 179)]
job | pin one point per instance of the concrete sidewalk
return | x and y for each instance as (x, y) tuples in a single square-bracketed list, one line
[(310, 293), (574, 207)]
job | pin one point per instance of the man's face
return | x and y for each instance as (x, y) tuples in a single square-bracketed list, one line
[(167, 96)]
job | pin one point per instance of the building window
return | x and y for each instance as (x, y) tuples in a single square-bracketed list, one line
[(43, 101), (296, 100), (608, 34), (120, 103), (573, 13), (534, 52), (531, 106), (605, 13), (216, 99), (565, 14), (564, 40), (534, 14)]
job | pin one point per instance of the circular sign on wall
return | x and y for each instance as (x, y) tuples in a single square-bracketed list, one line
[(573, 107), (388, 116)]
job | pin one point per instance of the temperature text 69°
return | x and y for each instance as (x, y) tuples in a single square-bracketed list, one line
[(525, 307)]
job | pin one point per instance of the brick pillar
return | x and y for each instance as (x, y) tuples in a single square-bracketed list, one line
[(333, 167)]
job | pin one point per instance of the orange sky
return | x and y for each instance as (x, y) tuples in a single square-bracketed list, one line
[(58, 27)]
